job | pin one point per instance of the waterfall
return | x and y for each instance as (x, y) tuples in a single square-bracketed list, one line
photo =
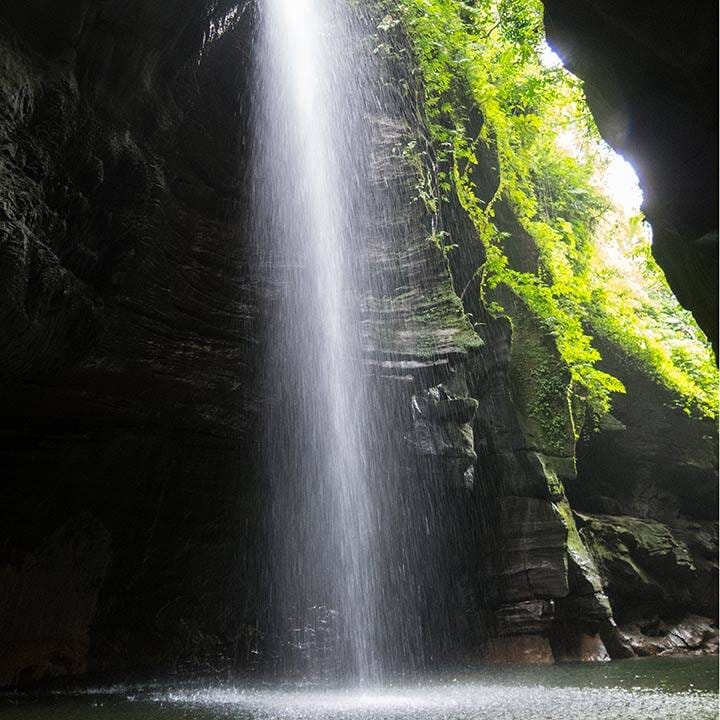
[(311, 149)]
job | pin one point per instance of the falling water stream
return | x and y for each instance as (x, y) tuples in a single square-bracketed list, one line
[(311, 147)]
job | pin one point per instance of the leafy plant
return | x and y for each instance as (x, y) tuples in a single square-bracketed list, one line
[(594, 275)]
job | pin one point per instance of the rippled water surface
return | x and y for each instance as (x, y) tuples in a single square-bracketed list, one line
[(656, 689)]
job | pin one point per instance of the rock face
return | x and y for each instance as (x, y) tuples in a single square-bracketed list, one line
[(694, 635), (645, 499), (536, 575), (49, 601), (130, 325), (651, 78), (126, 328)]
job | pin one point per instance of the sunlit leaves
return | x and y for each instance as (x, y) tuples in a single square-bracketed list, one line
[(596, 276)]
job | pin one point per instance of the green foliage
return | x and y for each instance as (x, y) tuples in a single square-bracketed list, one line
[(635, 309), (487, 55)]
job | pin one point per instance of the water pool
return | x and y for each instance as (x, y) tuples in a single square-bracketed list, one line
[(650, 689)]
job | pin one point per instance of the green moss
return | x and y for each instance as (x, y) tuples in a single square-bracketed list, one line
[(425, 325), (627, 535), (542, 385), (444, 310), (580, 555)]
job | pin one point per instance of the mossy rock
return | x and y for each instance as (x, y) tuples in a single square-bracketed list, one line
[(541, 382)]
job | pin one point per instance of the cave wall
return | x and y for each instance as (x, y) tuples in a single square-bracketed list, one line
[(128, 338), (646, 497), (537, 580)]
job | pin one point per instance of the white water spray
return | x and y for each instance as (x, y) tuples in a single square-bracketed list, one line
[(309, 132)]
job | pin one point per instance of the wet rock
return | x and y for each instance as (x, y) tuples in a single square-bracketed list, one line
[(416, 335), (525, 460), (573, 645), (519, 650), (693, 635), (642, 564), (442, 429), (662, 466), (534, 555), (55, 590), (531, 617)]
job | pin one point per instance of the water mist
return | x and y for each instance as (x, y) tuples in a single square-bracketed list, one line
[(311, 155)]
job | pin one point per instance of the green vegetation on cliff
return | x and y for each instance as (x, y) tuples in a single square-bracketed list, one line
[(553, 235)]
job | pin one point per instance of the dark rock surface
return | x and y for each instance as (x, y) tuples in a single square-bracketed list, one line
[(49, 600), (650, 459), (651, 78), (694, 635), (127, 338), (646, 495), (644, 567)]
